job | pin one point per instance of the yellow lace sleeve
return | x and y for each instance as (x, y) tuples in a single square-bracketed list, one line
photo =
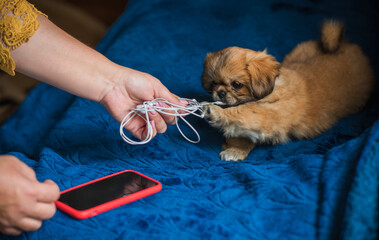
[(18, 22)]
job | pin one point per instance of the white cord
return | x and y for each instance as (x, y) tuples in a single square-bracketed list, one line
[(194, 108)]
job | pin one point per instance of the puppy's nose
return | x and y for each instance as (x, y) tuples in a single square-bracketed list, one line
[(221, 94)]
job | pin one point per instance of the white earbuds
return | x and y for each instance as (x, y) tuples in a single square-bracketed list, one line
[(194, 108)]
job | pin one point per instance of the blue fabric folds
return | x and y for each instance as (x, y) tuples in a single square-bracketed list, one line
[(322, 188)]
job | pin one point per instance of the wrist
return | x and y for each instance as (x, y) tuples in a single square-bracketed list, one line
[(112, 86), (106, 79)]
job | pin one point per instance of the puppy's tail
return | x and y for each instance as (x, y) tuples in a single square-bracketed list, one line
[(331, 35)]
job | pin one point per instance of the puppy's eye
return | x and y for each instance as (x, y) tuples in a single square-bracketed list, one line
[(214, 83), (237, 85)]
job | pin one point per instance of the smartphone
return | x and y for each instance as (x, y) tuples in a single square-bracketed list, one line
[(106, 193)]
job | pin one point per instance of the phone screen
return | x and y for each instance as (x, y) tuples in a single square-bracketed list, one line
[(105, 190)]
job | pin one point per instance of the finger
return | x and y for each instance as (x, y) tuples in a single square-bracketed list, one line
[(142, 132), (24, 169), (47, 192), (136, 125), (146, 130), (160, 124), (29, 224), (29, 173), (168, 119), (43, 211), (11, 231), (166, 94), (170, 97)]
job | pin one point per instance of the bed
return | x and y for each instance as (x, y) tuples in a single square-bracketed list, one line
[(322, 188)]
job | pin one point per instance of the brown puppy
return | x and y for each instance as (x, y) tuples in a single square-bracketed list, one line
[(317, 84)]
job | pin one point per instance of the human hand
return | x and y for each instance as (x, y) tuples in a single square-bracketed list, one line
[(50, 52), (130, 88), (24, 202)]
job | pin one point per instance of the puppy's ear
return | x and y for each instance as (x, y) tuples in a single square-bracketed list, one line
[(208, 72), (263, 69)]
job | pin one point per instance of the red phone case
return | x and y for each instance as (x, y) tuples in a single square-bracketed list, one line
[(108, 205)]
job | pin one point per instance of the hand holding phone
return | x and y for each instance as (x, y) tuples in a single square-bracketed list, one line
[(24, 201), (103, 194)]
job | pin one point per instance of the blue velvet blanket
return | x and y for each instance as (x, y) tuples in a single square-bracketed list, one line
[(322, 188)]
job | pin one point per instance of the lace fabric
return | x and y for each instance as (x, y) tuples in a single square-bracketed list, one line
[(18, 22)]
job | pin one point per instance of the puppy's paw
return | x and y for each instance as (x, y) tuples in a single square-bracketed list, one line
[(233, 154), (213, 114)]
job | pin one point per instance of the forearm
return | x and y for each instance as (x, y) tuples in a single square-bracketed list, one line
[(54, 57)]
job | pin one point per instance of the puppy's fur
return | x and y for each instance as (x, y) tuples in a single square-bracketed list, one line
[(317, 84)]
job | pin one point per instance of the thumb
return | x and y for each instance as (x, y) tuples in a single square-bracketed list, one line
[(172, 98), (48, 191)]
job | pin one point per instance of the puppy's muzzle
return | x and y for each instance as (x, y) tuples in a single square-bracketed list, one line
[(221, 94)]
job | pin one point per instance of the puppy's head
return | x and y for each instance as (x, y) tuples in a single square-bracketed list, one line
[(236, 75)]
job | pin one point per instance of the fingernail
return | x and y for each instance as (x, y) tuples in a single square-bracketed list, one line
[(153, 124), (152, 111), (160, 104), (183, 101)]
